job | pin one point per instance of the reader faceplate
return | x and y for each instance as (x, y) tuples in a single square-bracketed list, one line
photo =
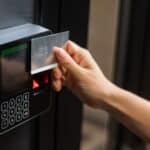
[(20, 100)]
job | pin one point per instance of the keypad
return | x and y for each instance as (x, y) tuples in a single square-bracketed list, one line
[(14, 110)]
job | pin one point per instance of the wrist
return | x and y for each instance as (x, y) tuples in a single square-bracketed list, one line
[(110, 91)]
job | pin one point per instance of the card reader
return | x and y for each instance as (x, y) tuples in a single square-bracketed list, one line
[(25, 86)]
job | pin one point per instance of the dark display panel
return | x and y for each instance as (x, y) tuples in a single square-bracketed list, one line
[(13, 69)]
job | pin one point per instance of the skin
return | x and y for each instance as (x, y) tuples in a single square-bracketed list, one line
[(78, 71)]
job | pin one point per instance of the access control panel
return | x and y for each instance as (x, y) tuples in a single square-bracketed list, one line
[(25, 62)]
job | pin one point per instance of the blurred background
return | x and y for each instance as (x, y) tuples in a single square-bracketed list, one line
[(103, 21)]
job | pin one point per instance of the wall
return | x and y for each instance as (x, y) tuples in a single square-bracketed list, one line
[(101, 43)]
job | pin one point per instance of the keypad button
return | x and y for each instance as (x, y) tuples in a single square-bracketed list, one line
[(12, 120), (12, 112), (19, 99), (4, 115), (12, 103), (18, 117), (26, 96), (26, 105), (4, 106), (26, 114), (19, 109), (4, 124)]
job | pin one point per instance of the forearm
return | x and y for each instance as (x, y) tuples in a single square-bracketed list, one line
[(131, 110)]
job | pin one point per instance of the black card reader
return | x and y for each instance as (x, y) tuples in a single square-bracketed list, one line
[(25, 87)]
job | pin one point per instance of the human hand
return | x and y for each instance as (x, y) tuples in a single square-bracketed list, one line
[(78, 71)]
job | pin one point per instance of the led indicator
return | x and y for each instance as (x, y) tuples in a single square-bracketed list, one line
[(35, 84)]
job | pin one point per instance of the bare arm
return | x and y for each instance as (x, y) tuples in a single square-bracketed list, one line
[(131, 110), (79, 72)]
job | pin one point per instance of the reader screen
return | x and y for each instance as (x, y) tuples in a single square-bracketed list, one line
[(13, 68)]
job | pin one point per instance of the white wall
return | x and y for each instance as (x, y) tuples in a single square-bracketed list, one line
[(102, 33)]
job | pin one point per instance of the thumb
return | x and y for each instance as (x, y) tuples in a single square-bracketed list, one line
[(65, 60)]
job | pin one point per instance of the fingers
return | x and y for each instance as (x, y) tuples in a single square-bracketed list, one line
[(71, 48), (56, 79), (49, 60), (66, 61), (57, 74), (79, 54), (57, 85)]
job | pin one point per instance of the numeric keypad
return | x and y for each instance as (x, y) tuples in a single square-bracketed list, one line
[(14, 110)]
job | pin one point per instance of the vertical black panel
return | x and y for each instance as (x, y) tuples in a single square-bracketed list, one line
[(46, 129), (49, 16), (69, 122), (145, 82), (22, 137), (60, 15), (74, 17)]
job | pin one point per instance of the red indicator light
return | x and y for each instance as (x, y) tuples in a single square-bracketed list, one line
[(46, 79), (35, 84)]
